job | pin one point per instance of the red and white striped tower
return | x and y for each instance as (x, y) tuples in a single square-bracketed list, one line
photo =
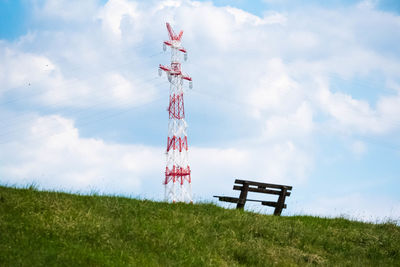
[(177, 173)]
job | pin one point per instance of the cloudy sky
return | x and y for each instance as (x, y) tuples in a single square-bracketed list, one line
[(291, 92)]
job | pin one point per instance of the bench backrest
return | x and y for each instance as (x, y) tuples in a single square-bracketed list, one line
[(262, 187)]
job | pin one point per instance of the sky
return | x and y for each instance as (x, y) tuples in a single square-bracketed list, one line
[(301, 93)]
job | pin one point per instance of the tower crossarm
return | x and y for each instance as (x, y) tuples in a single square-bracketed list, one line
[(186, 77), (175, 70), (175, 44), (164, 68)]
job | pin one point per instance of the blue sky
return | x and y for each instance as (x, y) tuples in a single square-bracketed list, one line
[(293, 92)]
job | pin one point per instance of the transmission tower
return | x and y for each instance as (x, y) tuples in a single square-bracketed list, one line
[(177, 172)]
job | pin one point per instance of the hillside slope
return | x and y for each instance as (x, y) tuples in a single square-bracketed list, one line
[(50, 228)]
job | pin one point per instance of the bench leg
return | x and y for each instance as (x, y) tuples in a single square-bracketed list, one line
[(243, 196), (281, 203)]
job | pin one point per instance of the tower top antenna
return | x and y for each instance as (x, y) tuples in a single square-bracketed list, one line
[(172, 35)]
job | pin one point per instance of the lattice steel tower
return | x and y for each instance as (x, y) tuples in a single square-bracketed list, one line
[(177, 172)]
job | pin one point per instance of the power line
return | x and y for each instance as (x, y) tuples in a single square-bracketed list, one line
[(103, 96), (71, 82), (94, 119)]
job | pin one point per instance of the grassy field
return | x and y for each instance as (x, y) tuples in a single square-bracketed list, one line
[(50, 228)]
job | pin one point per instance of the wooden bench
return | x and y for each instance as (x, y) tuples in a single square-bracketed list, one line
[(244, 186)]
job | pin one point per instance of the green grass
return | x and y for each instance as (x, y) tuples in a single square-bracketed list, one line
[(51, 228)]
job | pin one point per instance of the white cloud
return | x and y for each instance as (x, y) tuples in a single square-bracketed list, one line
[(274, 18), (303, 40), (356, 116), (268, 163), (113, 13), (276, 91), (298, 124), (53, 155), (19, 69), (242, 17), (38, 76), (228, 36)]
